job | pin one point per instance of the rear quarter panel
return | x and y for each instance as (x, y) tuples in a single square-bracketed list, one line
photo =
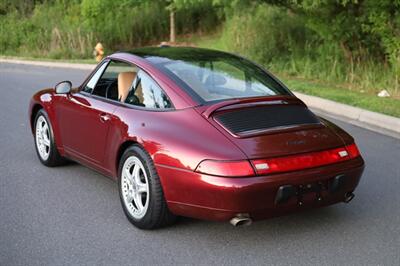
[(177, 139)]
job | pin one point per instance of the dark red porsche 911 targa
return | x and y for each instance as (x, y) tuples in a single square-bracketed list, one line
[(198, 133)]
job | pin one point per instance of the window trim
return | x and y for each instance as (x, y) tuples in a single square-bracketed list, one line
[(131, 106), (95, 72), (118, 103), (83, 85)]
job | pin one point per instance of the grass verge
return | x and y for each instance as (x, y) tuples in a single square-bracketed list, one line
[(388, 106), (76, 61)]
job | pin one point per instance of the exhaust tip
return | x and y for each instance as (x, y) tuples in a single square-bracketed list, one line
[(241, 219), (348, 197)]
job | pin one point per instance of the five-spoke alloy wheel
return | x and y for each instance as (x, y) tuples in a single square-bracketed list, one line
[(42, 134), (135, 187)]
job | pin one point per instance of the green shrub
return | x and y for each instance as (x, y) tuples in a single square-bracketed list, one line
[(286, 43), (265, 33)]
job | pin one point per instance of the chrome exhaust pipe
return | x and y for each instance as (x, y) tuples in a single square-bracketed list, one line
[(348, 197), (241, 219)]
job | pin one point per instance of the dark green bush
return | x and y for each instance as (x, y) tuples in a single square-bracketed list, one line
[(70, 29)]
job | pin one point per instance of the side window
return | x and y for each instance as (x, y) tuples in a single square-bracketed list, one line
[(93, 80), (148, 94), (116, 81)]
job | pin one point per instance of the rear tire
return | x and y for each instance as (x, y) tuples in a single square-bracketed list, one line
[(140, 191), (45, 145)]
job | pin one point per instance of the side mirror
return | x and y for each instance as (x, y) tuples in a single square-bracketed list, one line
[(63, 87)]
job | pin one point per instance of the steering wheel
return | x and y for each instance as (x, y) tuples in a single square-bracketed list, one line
[(110, 85)]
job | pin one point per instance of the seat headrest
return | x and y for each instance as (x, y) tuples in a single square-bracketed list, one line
[(215, 80)]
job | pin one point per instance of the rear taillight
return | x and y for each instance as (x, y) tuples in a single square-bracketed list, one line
[(304, 161), (225, 168), (353, 150), (277, 165)]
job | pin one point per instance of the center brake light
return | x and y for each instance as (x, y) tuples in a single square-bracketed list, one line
[(277, 165)]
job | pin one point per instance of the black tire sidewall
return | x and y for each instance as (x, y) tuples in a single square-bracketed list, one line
[(149, 219), (53, 153)]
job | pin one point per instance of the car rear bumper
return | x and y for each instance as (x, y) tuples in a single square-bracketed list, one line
[(217, 198)]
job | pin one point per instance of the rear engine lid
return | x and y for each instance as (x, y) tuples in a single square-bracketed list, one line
[(266, 119), (273, 130)]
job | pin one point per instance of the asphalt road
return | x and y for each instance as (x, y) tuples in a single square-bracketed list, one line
[(72, 215)]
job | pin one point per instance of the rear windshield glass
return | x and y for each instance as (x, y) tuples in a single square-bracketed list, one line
[(221, 78)]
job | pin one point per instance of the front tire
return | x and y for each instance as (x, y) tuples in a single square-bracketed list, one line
[(140, 191), (45, 145)]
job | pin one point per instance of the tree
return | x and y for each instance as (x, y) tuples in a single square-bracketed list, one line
[(181, 5), (172, 26)]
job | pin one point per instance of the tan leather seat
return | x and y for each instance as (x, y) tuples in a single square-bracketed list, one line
[(125, 80), (139, 93)]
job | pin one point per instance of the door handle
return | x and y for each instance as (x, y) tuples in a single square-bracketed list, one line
[(104, 117)]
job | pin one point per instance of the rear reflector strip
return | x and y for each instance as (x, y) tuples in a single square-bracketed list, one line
[(304, 161)]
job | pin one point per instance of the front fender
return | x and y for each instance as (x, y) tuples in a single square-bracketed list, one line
[(45, 99)]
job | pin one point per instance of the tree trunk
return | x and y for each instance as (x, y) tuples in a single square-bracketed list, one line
[(172, 36)]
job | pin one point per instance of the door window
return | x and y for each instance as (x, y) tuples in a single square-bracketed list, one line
[(116, 81), (123, 82)]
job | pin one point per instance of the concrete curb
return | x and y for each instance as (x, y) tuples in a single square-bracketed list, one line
[(48, 64), (377, 122)]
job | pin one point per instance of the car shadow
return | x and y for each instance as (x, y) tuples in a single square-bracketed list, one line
[(313, 219)]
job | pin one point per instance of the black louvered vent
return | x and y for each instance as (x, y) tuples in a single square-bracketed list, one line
[(265, 117)]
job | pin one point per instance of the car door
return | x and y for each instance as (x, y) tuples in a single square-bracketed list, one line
[(84, 117)]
